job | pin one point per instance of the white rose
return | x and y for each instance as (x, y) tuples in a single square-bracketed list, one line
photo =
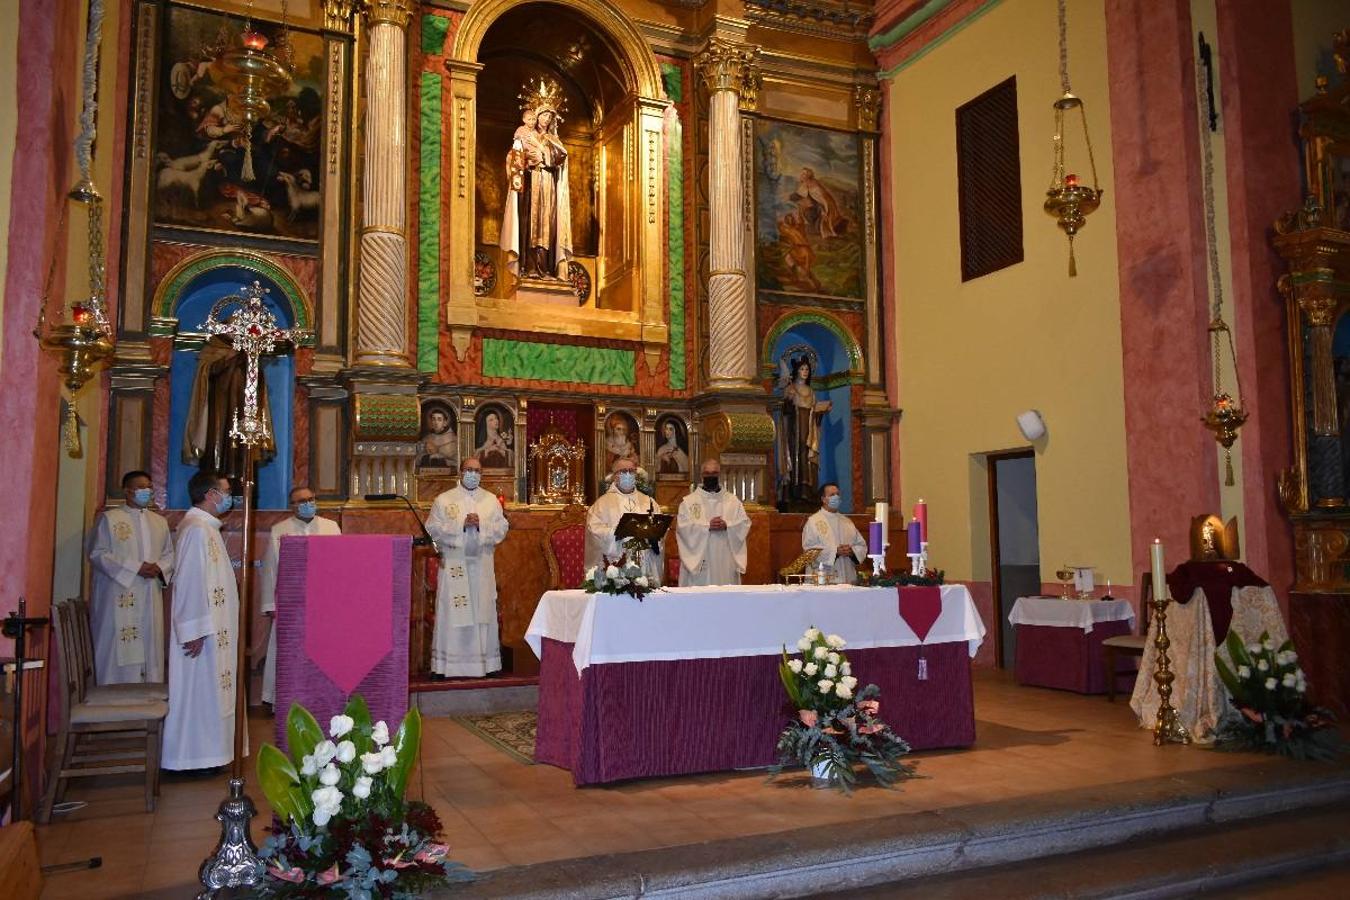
[(372, 763), (340, 725), (612, 572), (850, 681), (803, 645), (328, 796), (846, 668), (1244, 672), (812, 633), (820, 653), (825, 685), (1301, 687), (641, 581), (1270, 684), (843, 690), (1267, 644), (1289, 680), (346, 752), (330, 775), (811, 669), (1280, 659), (834, 658), (321, 815), (308, 766), (1253, 649), (795, 665), (835, 641), (1262, 665), (1293, 657), (324, 753), (388, 756), (361, 790), (380, 733), (831, 671)]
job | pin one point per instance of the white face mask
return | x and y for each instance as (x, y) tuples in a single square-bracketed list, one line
[(627, 481), (832, 501), (470, 479)]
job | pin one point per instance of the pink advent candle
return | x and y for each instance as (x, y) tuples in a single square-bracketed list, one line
[(874, 539), (921, 516)]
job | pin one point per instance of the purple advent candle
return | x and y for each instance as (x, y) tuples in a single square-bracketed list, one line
[(914, 536), (874, 538)]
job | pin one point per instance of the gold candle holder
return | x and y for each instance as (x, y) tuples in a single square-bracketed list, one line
[(1167, 729)]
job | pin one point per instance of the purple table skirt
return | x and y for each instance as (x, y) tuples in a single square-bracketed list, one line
[(658, 718), (1065, 658)]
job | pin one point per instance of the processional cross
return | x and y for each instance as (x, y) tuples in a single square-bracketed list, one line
[(252, 330)]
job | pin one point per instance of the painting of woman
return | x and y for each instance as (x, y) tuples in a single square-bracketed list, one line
[(493, 436), (672, 455)]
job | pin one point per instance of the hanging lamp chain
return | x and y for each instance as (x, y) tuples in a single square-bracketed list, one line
[(1217, 322), (1064, 47)]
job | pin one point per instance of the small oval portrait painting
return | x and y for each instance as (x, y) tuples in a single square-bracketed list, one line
[(672, 446), (493, 437), (440, 439)]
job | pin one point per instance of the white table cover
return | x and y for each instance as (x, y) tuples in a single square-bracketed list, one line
[(1061, 613), (741, 620)]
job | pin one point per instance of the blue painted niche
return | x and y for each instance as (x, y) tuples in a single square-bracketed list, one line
[(836, 438), (191, 308)]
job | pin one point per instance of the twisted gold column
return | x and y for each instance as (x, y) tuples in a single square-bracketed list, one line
[(382, 298)]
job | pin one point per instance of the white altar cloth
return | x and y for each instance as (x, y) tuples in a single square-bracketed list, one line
[(738, 620), (1060, 613)]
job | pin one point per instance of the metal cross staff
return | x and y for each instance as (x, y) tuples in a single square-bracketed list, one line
[(252, 329)]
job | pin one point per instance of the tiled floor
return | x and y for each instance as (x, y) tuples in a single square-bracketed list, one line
[(498, 812)]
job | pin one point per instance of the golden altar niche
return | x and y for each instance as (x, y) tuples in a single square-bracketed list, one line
[(557, 469), (613, 129)]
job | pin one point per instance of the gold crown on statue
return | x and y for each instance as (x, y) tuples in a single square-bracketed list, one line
[(541, 95), (1211, 539)]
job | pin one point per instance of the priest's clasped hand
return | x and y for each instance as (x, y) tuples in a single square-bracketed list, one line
[(149, 570), (845, 550), (717, 523), (471, 520), (194, 648)]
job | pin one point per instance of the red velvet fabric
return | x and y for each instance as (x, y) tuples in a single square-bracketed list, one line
[(1066, 658), (660, 718), (920, 608), (1218, 579), (569, 549)]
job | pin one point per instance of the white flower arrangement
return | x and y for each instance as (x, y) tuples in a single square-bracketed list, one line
[(621, 576), (1270, 710)]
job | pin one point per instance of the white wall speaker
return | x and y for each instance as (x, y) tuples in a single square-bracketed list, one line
[(1031, 425)]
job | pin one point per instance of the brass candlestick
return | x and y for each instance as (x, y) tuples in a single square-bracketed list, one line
[(1167, 729)]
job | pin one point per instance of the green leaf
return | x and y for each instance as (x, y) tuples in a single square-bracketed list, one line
[(359, 713), (303, 733), (278, 778), (1226, 675), (406, 743)]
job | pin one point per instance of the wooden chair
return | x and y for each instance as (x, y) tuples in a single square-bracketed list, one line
[(107, 693), (99, 738), (1128, 644), (565, 548)]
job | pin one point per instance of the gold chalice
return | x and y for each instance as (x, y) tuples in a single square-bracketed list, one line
[(1065, 576)]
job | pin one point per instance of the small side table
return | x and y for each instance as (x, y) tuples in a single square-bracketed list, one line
[(1059, 642)]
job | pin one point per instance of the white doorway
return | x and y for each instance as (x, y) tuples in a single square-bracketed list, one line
[(1015, 544)]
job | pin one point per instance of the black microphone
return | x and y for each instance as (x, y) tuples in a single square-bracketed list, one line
[(423, 541)]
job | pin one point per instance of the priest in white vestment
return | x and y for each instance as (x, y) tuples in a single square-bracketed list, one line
[(306, 521), (467, 524), (830, 531), (711, 530), (132, 557), (605, 513), (199, 730)]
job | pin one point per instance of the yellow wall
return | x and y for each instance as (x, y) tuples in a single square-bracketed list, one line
[(9, 61), (973, 355)]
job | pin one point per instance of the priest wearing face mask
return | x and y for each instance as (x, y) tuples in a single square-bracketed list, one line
[(132, 556), (604, 515), (831, 532), (467, 524), (306, 521), (711, 529), (199, 730)]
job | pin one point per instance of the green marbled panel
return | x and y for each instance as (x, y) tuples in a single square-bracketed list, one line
[(429, 222), (558, 362)]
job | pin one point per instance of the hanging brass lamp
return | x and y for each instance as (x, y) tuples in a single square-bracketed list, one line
[(1069, 200)]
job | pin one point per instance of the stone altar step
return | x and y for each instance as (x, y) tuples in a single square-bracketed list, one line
[(890, 853)]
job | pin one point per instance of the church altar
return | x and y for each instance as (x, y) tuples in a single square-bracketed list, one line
[(633, 689)]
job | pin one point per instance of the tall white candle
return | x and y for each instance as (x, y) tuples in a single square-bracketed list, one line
[(1159, 578), (884, 517)]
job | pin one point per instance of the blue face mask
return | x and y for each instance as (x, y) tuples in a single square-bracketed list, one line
[(470, 479), (307, 509), (224, 504), (143, 496), (627, 481), (833, 501)]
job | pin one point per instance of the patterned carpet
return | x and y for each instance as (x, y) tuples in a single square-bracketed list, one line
[(510, 732)]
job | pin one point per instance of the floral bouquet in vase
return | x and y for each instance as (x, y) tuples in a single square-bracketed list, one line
[(838, 726), (343, 825), (1269, 692), (623, 576)]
